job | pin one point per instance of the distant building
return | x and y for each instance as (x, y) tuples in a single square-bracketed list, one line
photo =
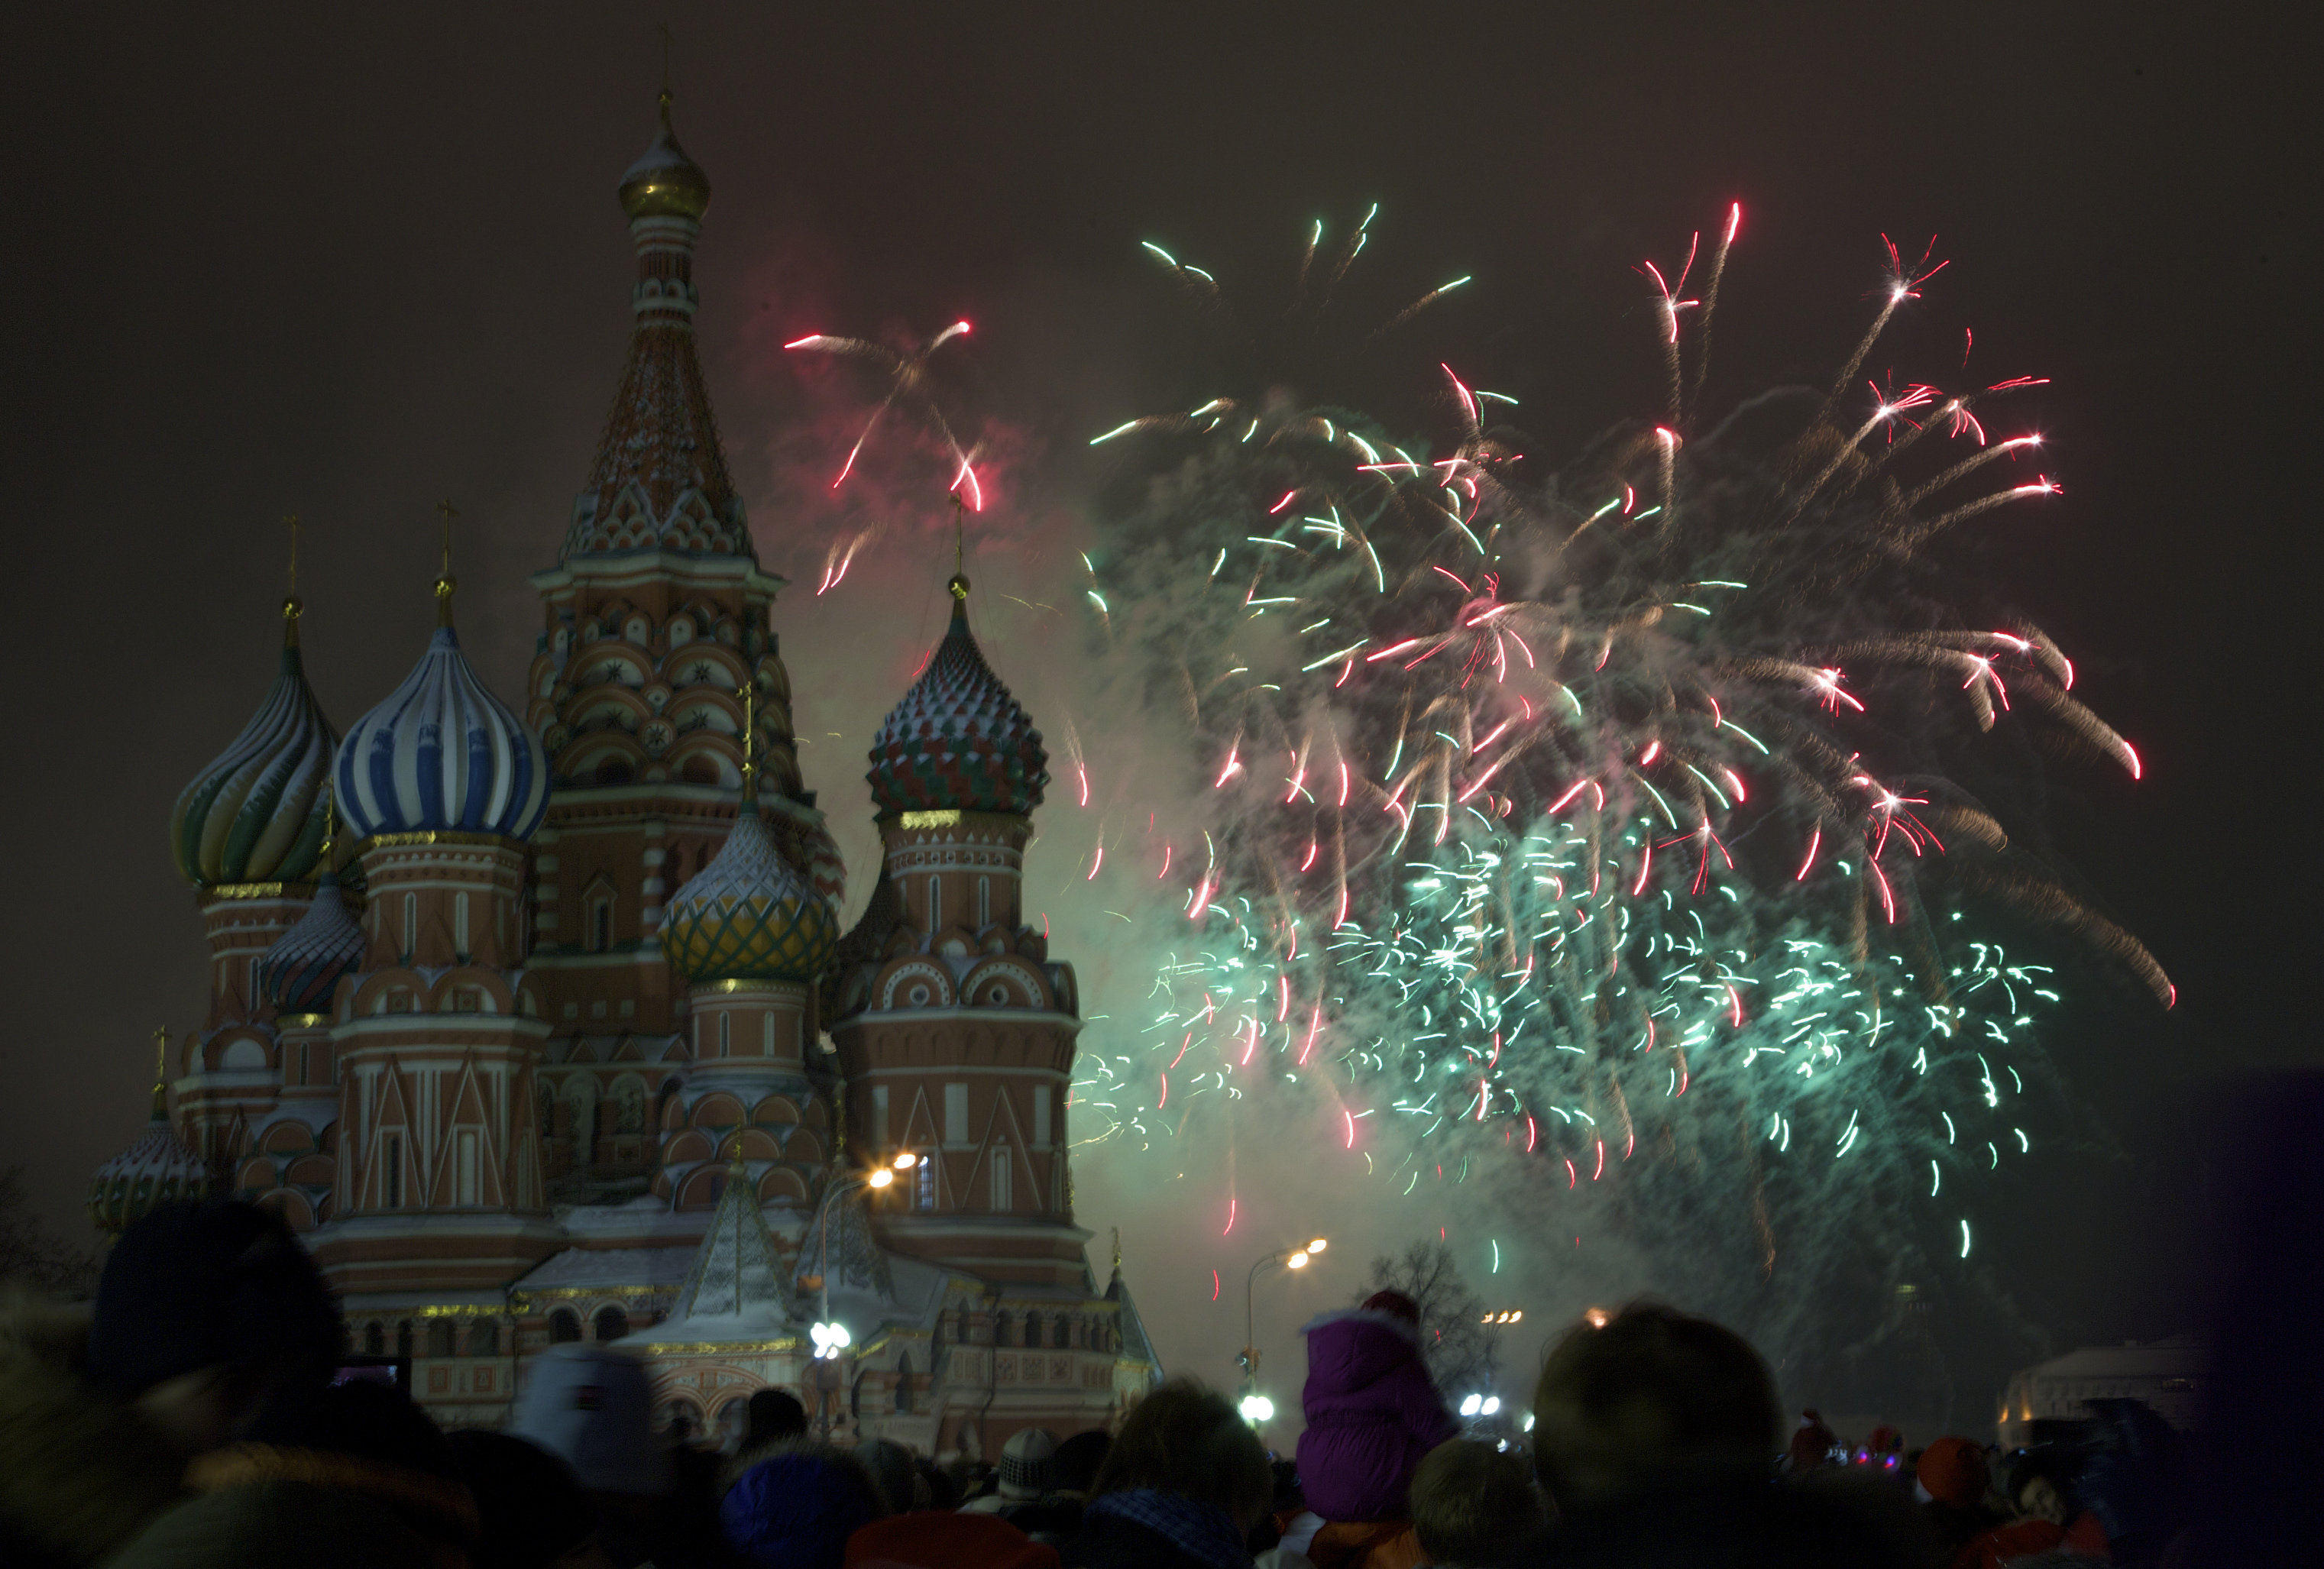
[(2166, 1374), (555, 1035)]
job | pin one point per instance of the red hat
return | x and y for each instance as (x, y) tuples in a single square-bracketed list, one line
[(1395, 1304), (1953, 1471), (933, 1538)]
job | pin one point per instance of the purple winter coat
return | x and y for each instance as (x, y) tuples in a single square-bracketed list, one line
[(1372, 1413)]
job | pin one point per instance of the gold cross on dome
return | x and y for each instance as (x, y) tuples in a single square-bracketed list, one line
[(749, 695), (449, 511)]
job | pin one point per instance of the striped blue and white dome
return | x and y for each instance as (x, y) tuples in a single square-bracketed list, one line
[(442, 753)]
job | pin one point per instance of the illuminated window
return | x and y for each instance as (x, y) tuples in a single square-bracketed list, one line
[(924, 1180), (1000, 1174)]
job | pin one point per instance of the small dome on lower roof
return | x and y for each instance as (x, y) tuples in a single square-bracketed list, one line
[(157, 1168), (748, 916), (301, 970)]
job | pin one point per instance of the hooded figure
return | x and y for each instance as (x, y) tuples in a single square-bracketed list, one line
[(1372, 1411), (795, 1506)]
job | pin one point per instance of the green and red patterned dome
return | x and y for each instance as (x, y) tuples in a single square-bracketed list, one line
[(958, 740)]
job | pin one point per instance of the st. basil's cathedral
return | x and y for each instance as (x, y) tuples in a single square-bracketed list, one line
[(537, 1023)]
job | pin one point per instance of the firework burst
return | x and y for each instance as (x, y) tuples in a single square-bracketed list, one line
[(1606, 822)]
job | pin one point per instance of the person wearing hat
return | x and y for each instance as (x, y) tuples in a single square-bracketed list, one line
[(1026, 1465), (797, 1506), (1374, 1413), (1953, 1482), (592, 1406), (207, 1313)]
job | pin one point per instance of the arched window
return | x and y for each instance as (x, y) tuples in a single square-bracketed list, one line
[(403, 1338), (1000, 1329), (600, 923), (611, 1323), (1058, 1332), (439, 1337), (564, 1324), (903, 1383), (374, 1340), (484, 1339)]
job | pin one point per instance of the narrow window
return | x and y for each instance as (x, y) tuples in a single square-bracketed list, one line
[(903, 1384), (410, 924), (955, 1113), (601, 926), (1000, 1174), (726, 1033), (460, 924), (767, 1034), (936, 903), (924, 1181), (250, 998), (878, 1117), (468, 1185), (302, 1063), (985, 901), (1041, 1139), (395, 1171)]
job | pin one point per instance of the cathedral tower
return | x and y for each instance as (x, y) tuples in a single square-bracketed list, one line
[(436, 1037), (956, 1033), (655, 622), (247, 833)]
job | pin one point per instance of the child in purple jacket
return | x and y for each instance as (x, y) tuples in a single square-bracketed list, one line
[(1373, 1410)]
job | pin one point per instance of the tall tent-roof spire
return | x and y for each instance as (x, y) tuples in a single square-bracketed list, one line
[(736, 1280), (661, 481)]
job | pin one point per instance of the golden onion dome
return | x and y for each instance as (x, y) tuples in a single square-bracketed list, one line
[(665, 182), (748, 916)]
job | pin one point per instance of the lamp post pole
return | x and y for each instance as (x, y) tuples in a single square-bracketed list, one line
[(879, 1177), (1297, 1257)]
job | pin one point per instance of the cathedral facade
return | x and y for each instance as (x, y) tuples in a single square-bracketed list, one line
[(537, 1022)]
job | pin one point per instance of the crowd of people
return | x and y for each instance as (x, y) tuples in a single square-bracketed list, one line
[(197, 1416)]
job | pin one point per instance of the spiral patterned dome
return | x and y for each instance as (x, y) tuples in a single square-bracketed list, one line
[(257, 812), (303, 968), (156, 1169), (748, 916), (442, 753), (958, 739)]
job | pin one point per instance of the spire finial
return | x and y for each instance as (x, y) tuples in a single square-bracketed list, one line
[(161, 1075), (959, 583), (292, 604), (734, 1161), (749, 694), (1117, 1248), (445, 582), (663, 27)]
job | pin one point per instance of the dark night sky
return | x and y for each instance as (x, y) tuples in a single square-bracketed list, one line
[(274, 259)]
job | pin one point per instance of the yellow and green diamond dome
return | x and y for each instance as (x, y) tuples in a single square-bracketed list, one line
[(748, 916)]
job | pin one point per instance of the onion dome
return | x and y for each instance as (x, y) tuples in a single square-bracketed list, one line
[(748, 916), (156, 1169), (958, 740), (442, 754), (301, 970), (257, 812), (665, 182)]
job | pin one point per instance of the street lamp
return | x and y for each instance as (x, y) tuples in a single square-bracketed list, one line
[(1257, 1409), (1290, 1258), (831, 1337)]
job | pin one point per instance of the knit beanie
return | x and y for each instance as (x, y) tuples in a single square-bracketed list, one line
[(1395, 1304), (797, 1508), (592, 1406), (1027, 1463), (208, 1283), (1953, 1471)]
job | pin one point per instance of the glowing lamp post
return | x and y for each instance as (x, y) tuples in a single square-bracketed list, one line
[(830, 1336), (1290, 1259)]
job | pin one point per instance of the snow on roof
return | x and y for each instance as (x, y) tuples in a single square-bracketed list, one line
[(611, 1269)]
